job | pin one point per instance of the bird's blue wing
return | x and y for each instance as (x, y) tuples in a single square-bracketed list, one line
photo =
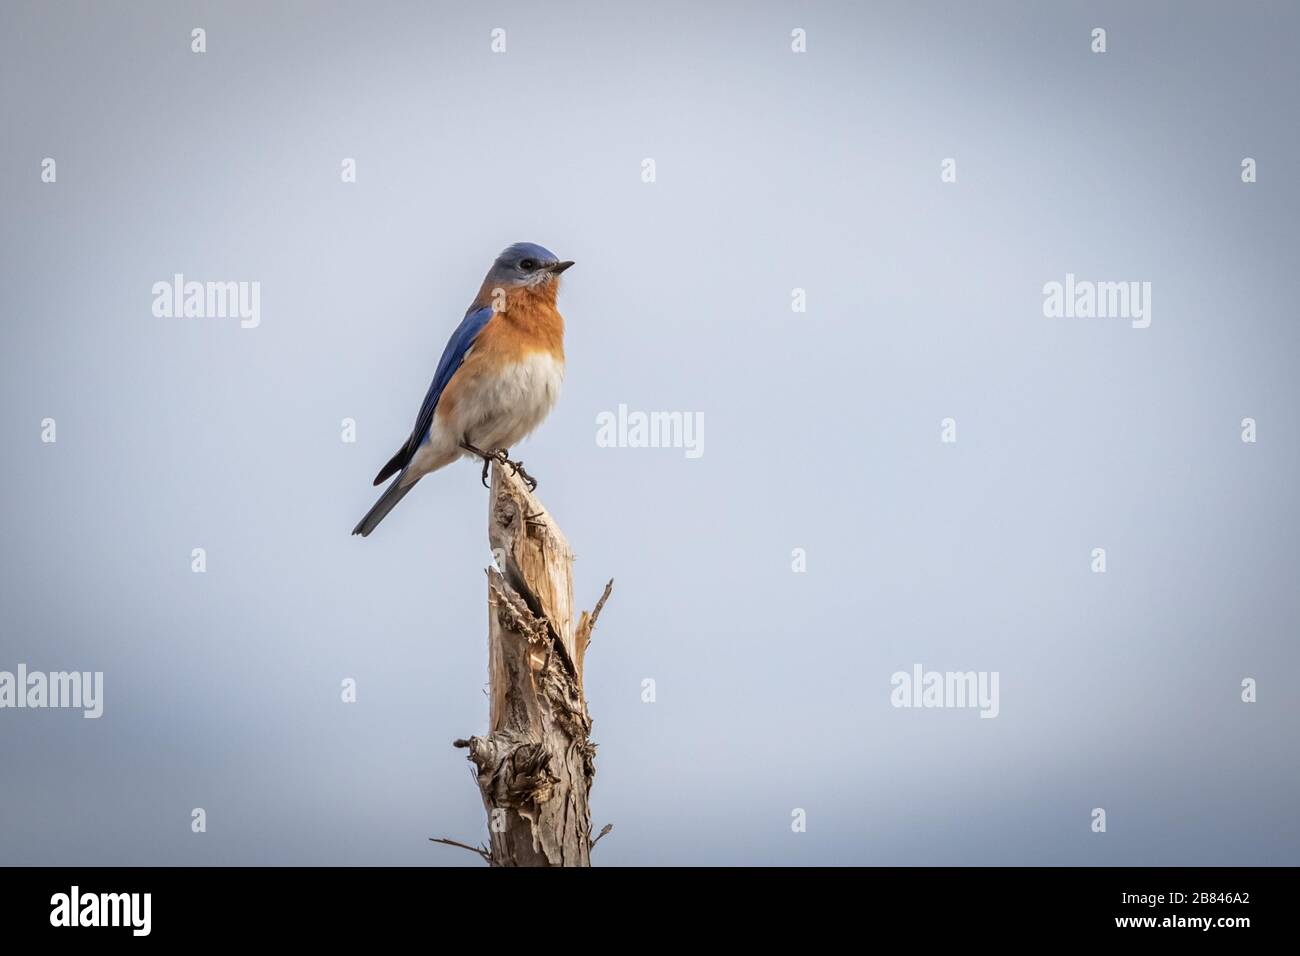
[(458, 347)]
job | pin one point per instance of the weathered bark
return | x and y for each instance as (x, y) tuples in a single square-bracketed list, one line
[(536, 764)]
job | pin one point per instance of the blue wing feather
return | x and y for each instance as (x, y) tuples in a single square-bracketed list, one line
[(457, 346), (452, 356)]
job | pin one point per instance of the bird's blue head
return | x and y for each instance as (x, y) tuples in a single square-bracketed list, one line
[(525, 264)]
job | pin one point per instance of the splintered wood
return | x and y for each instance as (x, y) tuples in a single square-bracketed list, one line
[(536, 764)]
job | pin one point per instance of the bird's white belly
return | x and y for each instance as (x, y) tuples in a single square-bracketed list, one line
[(503, 409), (494, 412)]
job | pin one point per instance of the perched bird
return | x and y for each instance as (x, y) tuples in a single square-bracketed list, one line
[(497, 379)]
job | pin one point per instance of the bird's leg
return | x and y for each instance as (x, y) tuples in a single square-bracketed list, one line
[(487, 460)]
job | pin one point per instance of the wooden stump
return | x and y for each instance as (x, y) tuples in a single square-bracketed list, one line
[(536, 764)]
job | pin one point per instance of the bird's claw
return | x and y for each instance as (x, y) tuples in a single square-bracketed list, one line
[(501, 456), (529, 480)]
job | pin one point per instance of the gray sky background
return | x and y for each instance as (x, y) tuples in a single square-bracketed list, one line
[(775, 171)]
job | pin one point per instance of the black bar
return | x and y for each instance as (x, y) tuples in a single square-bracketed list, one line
[(329, 904)]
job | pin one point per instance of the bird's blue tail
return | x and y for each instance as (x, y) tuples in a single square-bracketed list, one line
[(386, 503)]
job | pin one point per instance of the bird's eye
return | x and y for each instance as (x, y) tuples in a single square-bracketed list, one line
[(528, 265)]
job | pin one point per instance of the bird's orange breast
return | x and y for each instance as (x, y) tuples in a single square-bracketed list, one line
[(530, 322), (529, 325)]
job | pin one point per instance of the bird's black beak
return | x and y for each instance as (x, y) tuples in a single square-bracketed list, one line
[(560, 267)]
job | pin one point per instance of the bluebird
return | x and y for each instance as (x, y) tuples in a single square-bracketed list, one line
[(497, 379)]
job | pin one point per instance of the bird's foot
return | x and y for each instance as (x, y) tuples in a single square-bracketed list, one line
[(518, 469), (501, 456)]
